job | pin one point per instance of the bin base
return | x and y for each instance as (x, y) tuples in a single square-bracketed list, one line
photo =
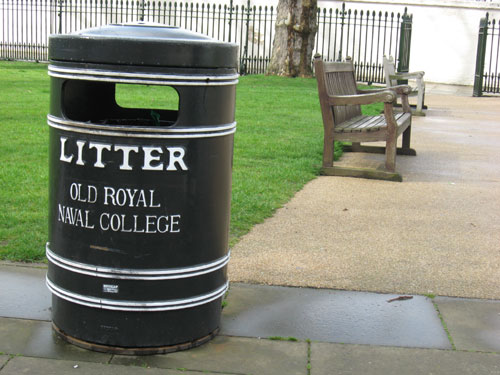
[(133, 351)]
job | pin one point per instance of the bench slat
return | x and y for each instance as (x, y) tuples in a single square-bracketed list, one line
[(369, 123), (349, 124), (366, 123), (376, 122)]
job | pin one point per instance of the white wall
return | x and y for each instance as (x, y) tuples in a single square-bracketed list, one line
[(444, 36)]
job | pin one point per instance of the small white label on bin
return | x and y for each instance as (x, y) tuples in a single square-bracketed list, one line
[(108, 288)]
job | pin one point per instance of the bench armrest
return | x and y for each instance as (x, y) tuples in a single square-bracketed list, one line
[(400, 89), (410, 75), (386, 96), (403, 91)]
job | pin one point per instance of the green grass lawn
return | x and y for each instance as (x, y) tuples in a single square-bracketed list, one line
[(277, 149), (24, 93)]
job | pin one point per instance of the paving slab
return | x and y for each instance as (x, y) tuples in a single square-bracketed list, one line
[(473, 324), (36, 338), (26, 295), (43, 366), (232, 355), (332, 316), (339, 359)]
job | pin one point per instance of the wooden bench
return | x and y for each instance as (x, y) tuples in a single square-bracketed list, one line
[(341, 102), (417, 87)]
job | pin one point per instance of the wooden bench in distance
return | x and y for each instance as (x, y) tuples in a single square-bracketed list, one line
[(417, 78), (341, 103)]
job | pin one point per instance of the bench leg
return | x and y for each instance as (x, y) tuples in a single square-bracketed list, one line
[(356, 147), (420, 98), (390, 155), (392, 137), (406, 149), (407, 137), (328, 147)]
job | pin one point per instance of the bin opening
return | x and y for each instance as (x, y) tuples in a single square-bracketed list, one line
[(120, 104)]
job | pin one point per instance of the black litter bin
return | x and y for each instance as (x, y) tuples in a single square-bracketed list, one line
[(139, 197)]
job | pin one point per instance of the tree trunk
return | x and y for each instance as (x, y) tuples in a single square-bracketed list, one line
[(293, 44)]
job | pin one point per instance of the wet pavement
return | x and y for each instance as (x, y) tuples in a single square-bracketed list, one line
[(26, 296), (272, 330), (332, 316)]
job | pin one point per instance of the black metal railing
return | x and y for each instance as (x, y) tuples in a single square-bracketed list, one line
[(487, 76), (365, 36)]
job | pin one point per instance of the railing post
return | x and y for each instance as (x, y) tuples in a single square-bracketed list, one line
[(480, 56), (230, 19), (342, 20), (405, 44), (244, 62), (141, 18), (59, 14)]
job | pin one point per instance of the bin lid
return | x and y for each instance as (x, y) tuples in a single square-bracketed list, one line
[(144, 44)]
